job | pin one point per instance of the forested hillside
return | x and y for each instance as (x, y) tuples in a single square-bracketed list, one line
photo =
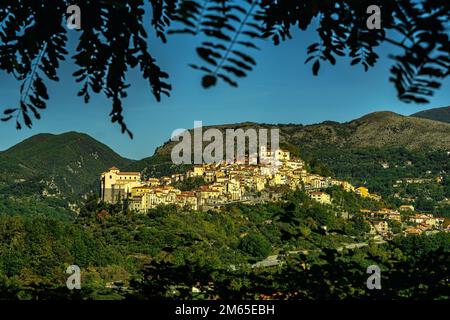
[(167, 252)]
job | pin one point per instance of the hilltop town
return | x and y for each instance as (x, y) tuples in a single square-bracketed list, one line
[(273, 174)]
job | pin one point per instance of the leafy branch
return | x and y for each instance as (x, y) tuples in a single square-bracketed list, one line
[(114, 39)]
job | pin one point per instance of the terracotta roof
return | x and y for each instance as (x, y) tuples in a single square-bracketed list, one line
[(422, 216), (318, 193), (186, 194), (412, 230), (206, 189), (143, 187)]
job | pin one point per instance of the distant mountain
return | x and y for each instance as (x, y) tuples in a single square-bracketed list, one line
[(438, 114), (379, 129), (66, 165), (376, 130)]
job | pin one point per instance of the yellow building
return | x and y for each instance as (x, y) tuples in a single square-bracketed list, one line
[(222, 180), (295, 164), (187, 200), (218, 187), (164, 195), (348, 186), (319, 183), (210, 176), (321, 197), (362, 191), (380, 227), (283, 155), (141, 190), (234, 191), (149, 201), (278, 179), (117, 185), (406, 208), (135, 204), (259, 182), (279, 154), (165, 181), (395, 216), (220, 175), (153, 182), (198, 171), (207, 193)]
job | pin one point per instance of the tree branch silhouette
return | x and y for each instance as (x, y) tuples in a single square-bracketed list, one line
[(114, 39)]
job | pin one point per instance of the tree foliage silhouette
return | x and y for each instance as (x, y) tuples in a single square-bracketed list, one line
[(114, 39)]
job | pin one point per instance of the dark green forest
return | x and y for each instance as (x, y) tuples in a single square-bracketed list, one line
[(123, 255), (363, 166)]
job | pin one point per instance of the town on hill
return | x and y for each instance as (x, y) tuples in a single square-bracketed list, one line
[(221, 184)]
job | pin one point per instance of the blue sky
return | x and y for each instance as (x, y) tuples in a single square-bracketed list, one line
[(280, 90)]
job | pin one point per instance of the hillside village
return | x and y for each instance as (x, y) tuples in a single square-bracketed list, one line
[(267, 180)]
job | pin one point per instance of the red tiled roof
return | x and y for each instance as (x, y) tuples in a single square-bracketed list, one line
[(186, 194), (143, 187)]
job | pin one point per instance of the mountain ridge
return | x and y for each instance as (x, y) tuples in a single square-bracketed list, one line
[(377, 129), (68, 162), (438, 114)]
